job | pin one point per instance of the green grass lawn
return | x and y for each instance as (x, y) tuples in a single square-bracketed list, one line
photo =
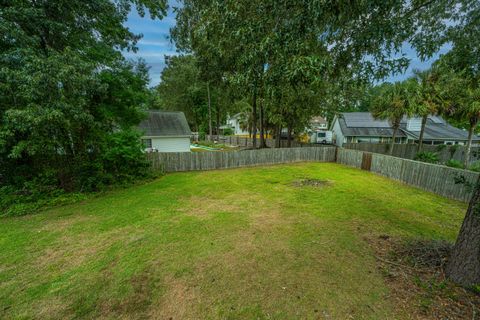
[(245, 243)]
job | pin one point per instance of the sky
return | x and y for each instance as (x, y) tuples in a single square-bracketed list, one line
[(155, 44)]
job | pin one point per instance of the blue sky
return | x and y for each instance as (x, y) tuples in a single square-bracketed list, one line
[(155, 44)]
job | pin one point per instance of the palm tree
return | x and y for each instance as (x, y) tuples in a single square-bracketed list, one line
[(392, 104), (425, 100), (460, 95)]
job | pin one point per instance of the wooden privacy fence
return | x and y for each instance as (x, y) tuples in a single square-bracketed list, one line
[(189, 161), (408, 151), (431, 177)]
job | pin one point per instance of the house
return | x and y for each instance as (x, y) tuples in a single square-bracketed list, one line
[(165, 131), (234, 122), (358, 127), (318, 123)]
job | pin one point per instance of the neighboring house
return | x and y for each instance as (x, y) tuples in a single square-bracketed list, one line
[(234, 123), (165, 131), (318, 123), (358, 127)]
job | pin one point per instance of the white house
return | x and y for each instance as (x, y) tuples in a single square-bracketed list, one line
[(234, 123), (165, 131), (358, 127)]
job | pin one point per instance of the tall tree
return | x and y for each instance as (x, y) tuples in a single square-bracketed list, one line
[(460, 95), (182, 89), (393, 104), (425, 98), (65, 87)]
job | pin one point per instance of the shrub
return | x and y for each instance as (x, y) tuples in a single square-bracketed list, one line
[(32, 197), (440, 147), (119, 161), (453, 149), (475, 166), (123, 156), (454, 164), (227, 131), (425, 156)]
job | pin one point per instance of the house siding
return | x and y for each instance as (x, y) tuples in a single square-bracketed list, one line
[(170, 144), (337, 133), (235, 124)]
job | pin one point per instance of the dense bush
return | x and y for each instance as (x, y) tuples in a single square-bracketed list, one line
[(16, 202), (124, 157), (228, 132), (119, 160), (454, 164), (440, 147), (452, 149), (425, 156)]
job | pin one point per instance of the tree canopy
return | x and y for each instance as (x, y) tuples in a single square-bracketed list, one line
[(65, 87)]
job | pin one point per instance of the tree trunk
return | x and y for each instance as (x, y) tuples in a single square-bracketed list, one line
[(262, 127), (289, 136), (254, 117), (277, 136), (217, 127), (466, 161), (464, 263), (422, 131), (195, 119), (209, 112), (394, 136)]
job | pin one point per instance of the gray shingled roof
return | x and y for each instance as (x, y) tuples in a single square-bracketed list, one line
[(442, 131), (364, 124), (364, 131), (165, 123)]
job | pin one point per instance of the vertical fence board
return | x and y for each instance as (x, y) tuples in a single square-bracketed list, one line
[(188, 161), (408, 151), (431, 177)]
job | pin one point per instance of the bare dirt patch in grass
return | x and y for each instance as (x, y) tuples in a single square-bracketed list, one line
[(414, 274), (52, 308), (177, 303), (135, 304), (63, 223), (317, 183)]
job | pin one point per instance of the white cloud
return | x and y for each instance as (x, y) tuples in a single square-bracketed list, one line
[(158, 43)]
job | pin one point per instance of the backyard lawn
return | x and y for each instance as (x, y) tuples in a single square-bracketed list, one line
[(275, 242)]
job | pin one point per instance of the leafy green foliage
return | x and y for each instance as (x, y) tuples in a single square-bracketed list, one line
[(66, 92), (68, 99), (454, 164), (475, 166), (228, 131), (425, 156), (18, 202), (182, 88)]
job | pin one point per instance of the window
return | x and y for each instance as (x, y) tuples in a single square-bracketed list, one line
[(147, 143), (321, 134)]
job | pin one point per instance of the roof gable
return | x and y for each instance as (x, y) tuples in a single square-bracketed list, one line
[(165, 123)]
